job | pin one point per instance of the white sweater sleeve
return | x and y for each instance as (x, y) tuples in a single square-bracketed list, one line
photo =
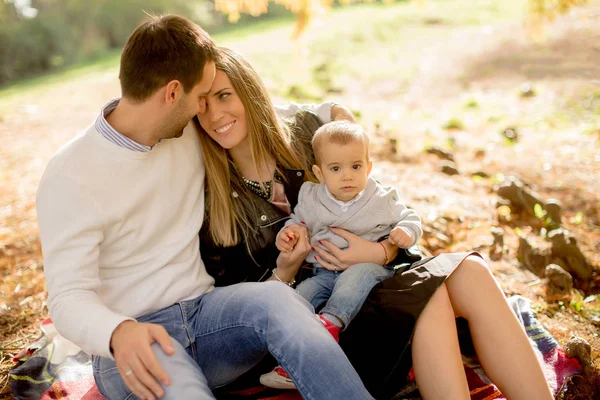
[(71, 230), (322, 110)]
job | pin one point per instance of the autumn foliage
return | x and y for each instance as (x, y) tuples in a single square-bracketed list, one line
[(538, 10)]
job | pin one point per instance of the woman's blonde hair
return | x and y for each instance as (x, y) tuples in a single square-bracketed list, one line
[(229, 220)]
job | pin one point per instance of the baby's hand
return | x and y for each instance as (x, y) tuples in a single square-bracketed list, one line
[(399, 237), (286, 240)]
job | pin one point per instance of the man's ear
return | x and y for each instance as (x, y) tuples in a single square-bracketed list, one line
[(172, 91), (369, 167), (318, 173)]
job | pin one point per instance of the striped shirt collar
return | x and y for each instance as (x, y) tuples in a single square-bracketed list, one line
[(112, 135)]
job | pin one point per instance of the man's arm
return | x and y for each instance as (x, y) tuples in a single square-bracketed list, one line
[(71, 231)]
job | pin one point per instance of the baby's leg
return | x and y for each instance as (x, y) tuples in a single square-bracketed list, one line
[(352, 288), (316, 290)]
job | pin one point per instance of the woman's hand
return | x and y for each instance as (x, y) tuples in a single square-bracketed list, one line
[(359, 251), (288, 263), (341, 113)]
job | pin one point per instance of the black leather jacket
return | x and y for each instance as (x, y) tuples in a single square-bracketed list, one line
[(253, 258)]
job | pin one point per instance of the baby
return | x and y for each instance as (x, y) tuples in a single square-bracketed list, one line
[(347, 198)]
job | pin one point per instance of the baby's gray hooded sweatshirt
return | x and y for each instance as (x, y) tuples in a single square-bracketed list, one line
[(372, 216)]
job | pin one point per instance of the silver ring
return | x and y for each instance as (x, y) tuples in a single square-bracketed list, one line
[(128, 372), (336, 268)]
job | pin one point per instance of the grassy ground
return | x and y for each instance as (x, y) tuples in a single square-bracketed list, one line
[(447, 74)]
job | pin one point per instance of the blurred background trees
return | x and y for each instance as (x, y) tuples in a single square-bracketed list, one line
[(37, 36)]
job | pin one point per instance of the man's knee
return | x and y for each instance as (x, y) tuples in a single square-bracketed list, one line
[(187, 380), (286, 304), (279, 294), (176, 359)]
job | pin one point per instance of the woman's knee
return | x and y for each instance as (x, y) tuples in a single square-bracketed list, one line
[(473, 268), (470, 283), (476, 262), (438, 305), (440, 298)]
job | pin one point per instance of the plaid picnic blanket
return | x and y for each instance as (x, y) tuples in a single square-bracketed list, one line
[(54, 368)]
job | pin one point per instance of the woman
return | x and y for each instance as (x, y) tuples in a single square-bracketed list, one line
[(255, 165)]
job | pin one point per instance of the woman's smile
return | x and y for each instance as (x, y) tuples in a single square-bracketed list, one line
[(225, 129)]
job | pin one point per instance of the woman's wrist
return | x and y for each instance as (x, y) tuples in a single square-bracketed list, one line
[(286, 273), (386, 260), (278, 276), (392, 251)]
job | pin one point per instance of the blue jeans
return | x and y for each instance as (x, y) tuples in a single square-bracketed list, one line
[(344, 292), (222, 334)]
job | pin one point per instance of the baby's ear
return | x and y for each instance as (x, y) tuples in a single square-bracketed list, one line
[(369, 167), (318, 173)]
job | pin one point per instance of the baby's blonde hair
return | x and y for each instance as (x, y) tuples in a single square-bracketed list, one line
[(339, 132)]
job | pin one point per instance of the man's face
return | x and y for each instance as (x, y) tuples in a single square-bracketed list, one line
[(189, 104), (343, 168)]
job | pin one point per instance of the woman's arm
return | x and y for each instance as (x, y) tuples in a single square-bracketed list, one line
[(341, 113), (289, 263), (359, 251), (327, 111)]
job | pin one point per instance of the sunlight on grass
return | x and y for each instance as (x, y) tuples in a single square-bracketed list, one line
[(30, 86)]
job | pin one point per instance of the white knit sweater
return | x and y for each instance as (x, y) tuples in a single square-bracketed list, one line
[(119, 232)]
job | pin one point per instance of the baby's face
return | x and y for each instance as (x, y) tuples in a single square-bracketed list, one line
[(344, 169)]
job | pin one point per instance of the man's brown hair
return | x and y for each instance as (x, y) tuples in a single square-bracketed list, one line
[(161, 49), (339, 132)]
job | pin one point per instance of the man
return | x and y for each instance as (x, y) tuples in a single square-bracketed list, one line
[(120, 208)]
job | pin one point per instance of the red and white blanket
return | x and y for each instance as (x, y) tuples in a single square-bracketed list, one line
[(54, 368)]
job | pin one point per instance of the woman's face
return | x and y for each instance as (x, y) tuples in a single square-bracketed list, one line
[(224, 116)]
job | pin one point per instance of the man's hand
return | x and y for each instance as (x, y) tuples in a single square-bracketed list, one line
[(287, 239), (135, 360), (399, 237)]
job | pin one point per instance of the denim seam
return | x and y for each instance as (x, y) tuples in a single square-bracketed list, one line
[(237, 325), (186, 328), (104, 372), (100, 384)]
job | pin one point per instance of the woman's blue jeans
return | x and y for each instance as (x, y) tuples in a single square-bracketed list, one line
[(222, 334)]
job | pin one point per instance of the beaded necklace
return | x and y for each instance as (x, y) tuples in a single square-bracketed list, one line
[(257, 187)]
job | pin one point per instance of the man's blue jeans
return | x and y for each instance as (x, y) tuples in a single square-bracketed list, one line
[(222, 334), (344, 292)]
